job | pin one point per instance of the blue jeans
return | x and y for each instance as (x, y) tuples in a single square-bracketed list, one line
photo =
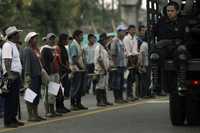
[(118, 78), (78, 86)]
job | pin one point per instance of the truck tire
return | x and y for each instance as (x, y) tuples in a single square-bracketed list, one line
[(193, 111), (177, 108)]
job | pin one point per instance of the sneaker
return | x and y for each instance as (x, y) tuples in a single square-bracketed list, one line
[(75, 108), (41, 118), (109, 104), (66, 109), (50, 115), (62, 110), (130, 99), (19, 123), (80, 106), (119, 101), (34, 119), (57, 114)]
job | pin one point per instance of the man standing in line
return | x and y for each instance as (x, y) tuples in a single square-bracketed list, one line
[(50, 61), (12, 68), (131, 46), (32, 75), (143, 67), (118, 59), (89, 59), (64, 71), (78, 71), (102, 65)]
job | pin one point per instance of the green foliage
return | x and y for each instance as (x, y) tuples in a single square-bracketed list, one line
[(55, 15)]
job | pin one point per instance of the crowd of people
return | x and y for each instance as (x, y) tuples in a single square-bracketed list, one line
[(112, 63)]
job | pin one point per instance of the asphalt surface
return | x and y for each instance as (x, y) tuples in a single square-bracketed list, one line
[(144, 116)]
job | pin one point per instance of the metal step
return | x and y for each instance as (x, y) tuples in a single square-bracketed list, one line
[(193, 65)]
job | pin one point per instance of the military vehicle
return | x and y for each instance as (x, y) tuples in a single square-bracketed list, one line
[(184, 106)]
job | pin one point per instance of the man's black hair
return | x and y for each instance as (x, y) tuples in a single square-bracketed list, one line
[(131, 26), (70, 38), (90, 36), (141, 27), (77, 33), (173, 3), (63, 36), (102, 37)]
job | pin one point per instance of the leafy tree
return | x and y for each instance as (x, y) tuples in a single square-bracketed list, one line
[(56, 15)]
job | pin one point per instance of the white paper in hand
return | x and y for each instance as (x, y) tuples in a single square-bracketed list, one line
[(53, 88), (29, 95), (62, 88), (126, 73)]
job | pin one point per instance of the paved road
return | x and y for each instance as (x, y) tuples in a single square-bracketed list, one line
[(146, 116)]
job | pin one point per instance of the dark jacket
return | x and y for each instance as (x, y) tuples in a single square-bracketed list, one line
[(31, 63), (64, 59), (166, 29), (47, 59)]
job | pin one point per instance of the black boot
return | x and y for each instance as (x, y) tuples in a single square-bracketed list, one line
[(117, 96), (121, 96), (80, 105), (99, 98), (60, 107), (105, 98)]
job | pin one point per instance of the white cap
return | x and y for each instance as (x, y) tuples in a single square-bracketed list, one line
[(11, 30), (44, 38), (122, 27), (49, 35), (29, 36)]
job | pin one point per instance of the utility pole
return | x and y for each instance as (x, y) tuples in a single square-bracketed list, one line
[(113, 10), (103, 12)]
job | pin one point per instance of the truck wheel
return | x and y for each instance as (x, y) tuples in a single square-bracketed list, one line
[(177, 109), (193, 109)]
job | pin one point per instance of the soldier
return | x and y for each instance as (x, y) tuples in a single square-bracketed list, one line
[(171, 31)]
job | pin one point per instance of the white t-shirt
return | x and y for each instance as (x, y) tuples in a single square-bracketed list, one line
[(10, 51), (130, 44)]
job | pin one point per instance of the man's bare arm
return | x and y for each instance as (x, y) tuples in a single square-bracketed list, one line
[(75, 60), (7, 63)]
